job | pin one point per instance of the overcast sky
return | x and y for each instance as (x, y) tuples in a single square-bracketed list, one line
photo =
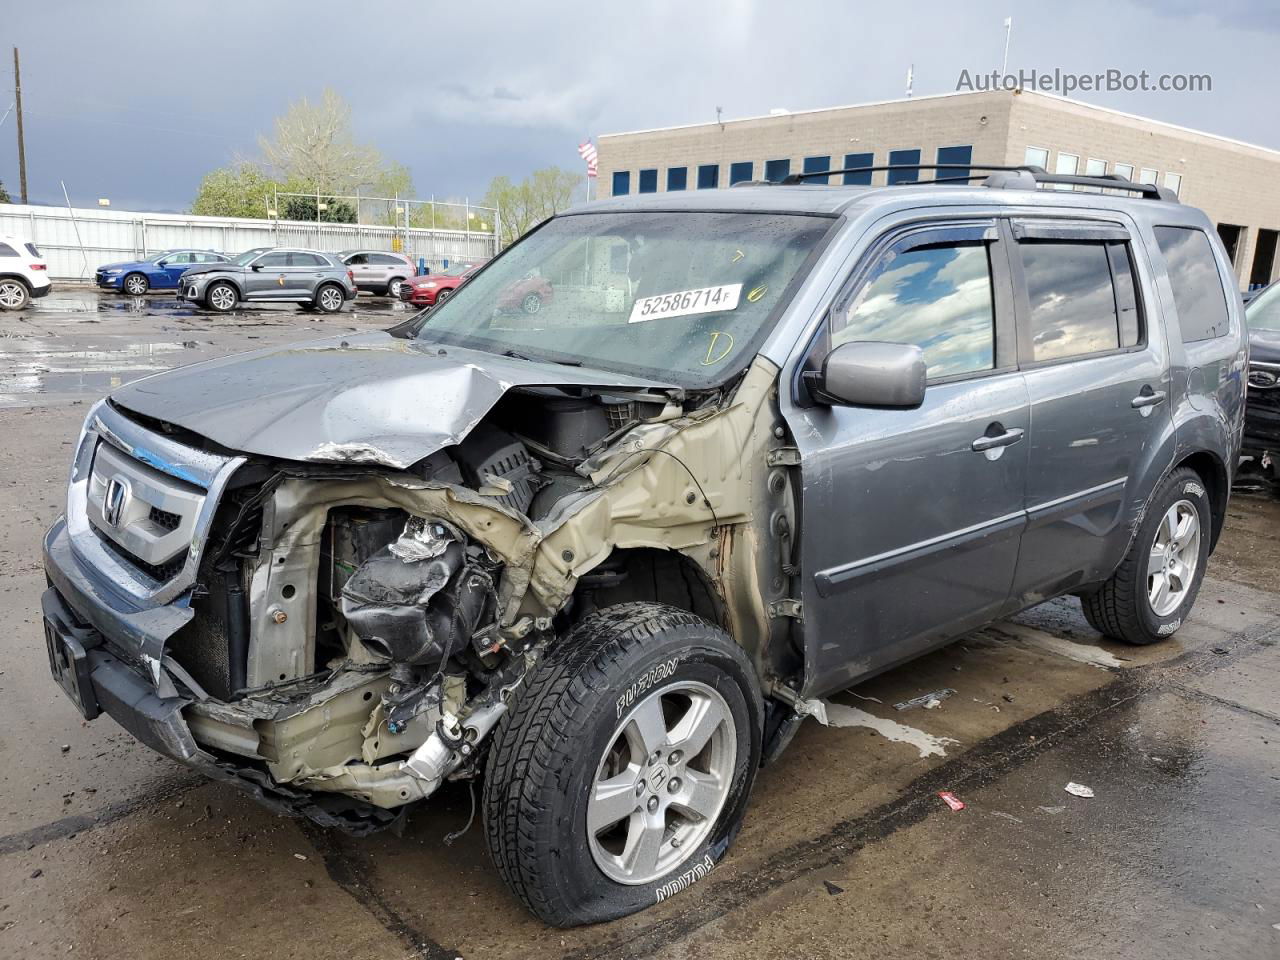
[(137, 100)]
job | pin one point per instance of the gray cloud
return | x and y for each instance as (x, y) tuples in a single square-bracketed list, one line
[(140, 114)]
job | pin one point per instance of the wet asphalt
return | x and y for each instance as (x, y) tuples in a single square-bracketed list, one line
[(109, 851)]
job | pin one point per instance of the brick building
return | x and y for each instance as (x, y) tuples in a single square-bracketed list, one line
[(1237, 184)]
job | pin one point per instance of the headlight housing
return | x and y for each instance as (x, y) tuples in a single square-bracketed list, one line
[(430, 285), (114, 270)]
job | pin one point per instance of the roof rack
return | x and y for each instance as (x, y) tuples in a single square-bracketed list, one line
[(997, 177)]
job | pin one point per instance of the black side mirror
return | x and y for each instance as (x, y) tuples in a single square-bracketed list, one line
[(256, 268), (870, 374)]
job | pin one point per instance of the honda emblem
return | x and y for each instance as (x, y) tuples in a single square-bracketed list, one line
[(118, 494)]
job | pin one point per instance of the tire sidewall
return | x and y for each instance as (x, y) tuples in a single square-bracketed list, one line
[(584, 887), (26, 295), (208, 297), (1180, 486)]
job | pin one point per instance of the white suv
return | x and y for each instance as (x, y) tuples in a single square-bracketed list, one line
[(23, 273)]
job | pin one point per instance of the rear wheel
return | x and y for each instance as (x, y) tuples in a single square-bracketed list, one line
[(393, 288), (622, 773), (532, 303), (329, 298), (136, 284), (1152, 591), (13, 294), (221, 297)]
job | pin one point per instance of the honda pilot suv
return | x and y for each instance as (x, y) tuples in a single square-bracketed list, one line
[(605, 558)]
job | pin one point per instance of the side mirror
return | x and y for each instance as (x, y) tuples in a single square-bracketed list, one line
[(256, 268), (870, 374), (162, 263)]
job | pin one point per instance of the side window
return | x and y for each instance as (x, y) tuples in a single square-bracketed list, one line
[(938, 297), (180, 258), (1073, 299), (357, 259), (7, 251), (1197, 286), (273, 260)]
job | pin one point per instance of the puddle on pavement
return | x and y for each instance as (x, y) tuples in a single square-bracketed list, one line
[(31, 369)]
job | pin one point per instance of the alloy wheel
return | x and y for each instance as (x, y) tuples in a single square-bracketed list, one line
[(532, 303), (222, 298), (1174, 556), (330, 299), (13, 295), (662, 782), (135, 285)]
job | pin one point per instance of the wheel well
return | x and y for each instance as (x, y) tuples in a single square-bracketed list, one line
[(230, 283), (1217, 483), (17, 276), (662, 576)]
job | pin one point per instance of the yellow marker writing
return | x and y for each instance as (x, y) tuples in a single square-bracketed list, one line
[(758, 292), (712, 357)]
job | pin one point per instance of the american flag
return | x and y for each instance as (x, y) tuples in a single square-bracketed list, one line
[(587, 150)]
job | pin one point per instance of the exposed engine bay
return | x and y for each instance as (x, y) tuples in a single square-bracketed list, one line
[(359, 630)]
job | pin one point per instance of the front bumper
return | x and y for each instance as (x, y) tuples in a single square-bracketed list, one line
[(419, 298), (108, 281), (97, 642)]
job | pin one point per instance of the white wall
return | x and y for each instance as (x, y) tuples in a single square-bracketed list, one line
[(76, 242)]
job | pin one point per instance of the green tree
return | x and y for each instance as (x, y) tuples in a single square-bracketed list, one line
[(240, 190), (527, 203), (4, 194)]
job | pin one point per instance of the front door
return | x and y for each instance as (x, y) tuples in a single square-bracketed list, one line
[(1098, 386), (175, 265), (268, 277), (912, 517)]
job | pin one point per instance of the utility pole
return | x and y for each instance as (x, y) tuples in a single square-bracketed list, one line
[(22, 146)]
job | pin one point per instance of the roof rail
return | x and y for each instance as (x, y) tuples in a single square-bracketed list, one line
[(1003, 177)]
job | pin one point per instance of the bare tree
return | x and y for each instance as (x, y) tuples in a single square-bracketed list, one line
[(540, 195)]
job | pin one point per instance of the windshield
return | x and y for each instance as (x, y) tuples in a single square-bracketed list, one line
[(244, 258), (457, 270), (677, 297), (1263, 311)]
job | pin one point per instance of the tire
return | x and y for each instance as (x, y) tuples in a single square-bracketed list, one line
[(14, 294), (532, 303), (329, 298), (1130, 606), (393, 288), (442, 296), (572, 725), (221, 297), (135, 284)]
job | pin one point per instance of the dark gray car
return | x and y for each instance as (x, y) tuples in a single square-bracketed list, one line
[(309, 278), (607, 557)]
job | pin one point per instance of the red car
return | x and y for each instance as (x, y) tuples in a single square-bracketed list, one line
[(528, 295)]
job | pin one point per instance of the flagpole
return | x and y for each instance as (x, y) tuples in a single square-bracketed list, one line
[(1008, 30)]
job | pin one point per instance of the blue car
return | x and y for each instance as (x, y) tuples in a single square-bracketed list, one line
[(160, 271)]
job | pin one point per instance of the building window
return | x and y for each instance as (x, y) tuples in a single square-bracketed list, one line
[(775, 171), (1173, 181), (1093, 167), (1148, 175), (1069, 165), (817, 165), (1229, 234), (909, 160), (854, 160), (741, 172), (708, 176), (648, 181), (1124, 170), (1036, 157), (962, 155), (621, 183), (1264, 257), (677, 178)]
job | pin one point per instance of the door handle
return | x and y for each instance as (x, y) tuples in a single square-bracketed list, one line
[(1148, 398), (984, 443)]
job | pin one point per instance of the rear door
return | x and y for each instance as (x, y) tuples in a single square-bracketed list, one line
[(912, 518), (1099, 389), (366, 274)]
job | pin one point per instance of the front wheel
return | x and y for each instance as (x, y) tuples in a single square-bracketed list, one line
[(221, 297), (621, 776), (136, 284), (13, 294), (1152, 592), (532, 303)]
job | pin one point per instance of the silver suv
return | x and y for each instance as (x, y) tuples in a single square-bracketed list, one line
[(377, 271), (608, 557), (309, 278)]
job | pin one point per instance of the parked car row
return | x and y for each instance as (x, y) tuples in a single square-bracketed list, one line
[(528, 294)]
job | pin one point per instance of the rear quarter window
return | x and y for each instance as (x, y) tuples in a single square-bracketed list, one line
[(1196, 282)]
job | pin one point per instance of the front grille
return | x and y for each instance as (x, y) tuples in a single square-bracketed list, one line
[(165, 519), (159, 572)]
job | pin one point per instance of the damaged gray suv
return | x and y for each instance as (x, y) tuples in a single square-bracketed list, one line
[(766, 442)]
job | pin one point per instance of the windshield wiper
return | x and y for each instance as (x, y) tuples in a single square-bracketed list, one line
[(520, 356)]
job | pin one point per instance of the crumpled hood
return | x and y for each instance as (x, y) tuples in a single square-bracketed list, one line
[(212, 268), (369, 398), (1264, 345)]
